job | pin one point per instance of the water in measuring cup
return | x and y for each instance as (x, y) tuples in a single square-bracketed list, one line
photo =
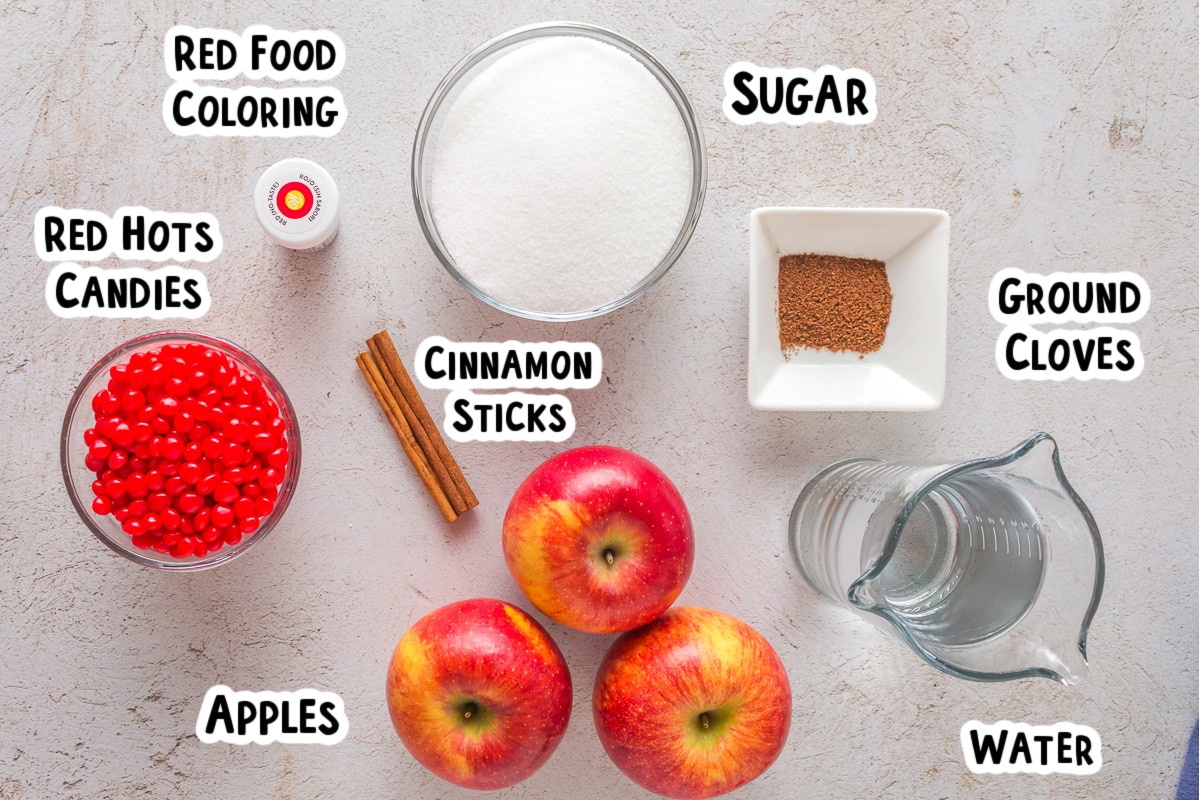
[(969, 561)]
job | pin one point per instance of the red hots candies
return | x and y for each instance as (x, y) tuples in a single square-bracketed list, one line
[(188, 448)]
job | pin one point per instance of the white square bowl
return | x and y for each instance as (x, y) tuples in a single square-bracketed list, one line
[(909, 372)]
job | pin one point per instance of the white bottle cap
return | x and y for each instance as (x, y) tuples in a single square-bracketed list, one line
[(297, 203)]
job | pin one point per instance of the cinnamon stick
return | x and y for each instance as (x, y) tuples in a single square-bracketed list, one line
[(391, 409), (390, 358), (424, 442)]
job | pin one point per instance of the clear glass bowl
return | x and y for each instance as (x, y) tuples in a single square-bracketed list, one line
[(78, 478), (989, 569), (478, 60)]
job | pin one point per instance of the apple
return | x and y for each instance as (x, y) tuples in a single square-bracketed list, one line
[(693, 705), (479, 693), (599, 539)]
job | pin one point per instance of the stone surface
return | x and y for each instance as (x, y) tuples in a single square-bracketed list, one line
[(1057, 137)]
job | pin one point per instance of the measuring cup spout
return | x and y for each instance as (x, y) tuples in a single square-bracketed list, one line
[(1068, 664), (989, 569)]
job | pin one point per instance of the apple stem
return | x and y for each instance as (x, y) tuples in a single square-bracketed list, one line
[(704, 720), (608, 555), (470, 708)]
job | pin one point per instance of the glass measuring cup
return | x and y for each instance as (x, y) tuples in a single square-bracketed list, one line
[(989, 569)]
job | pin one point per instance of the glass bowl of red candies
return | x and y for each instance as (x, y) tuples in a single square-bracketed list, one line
[(180, 451)]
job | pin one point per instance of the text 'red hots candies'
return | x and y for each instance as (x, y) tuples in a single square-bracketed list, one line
[(189, 450)]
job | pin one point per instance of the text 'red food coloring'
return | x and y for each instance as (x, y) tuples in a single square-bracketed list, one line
[(189, 450)]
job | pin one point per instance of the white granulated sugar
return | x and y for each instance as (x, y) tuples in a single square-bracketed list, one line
[(562, 176)]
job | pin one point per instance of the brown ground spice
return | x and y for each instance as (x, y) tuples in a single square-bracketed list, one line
[(833, 303)]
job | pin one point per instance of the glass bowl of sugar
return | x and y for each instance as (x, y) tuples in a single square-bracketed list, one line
[(558, 171)]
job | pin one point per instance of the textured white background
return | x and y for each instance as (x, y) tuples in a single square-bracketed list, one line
[(1057, 139)]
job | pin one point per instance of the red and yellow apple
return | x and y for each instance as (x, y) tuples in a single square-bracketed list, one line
[(479, 693), (599, 539), (693, 705)]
